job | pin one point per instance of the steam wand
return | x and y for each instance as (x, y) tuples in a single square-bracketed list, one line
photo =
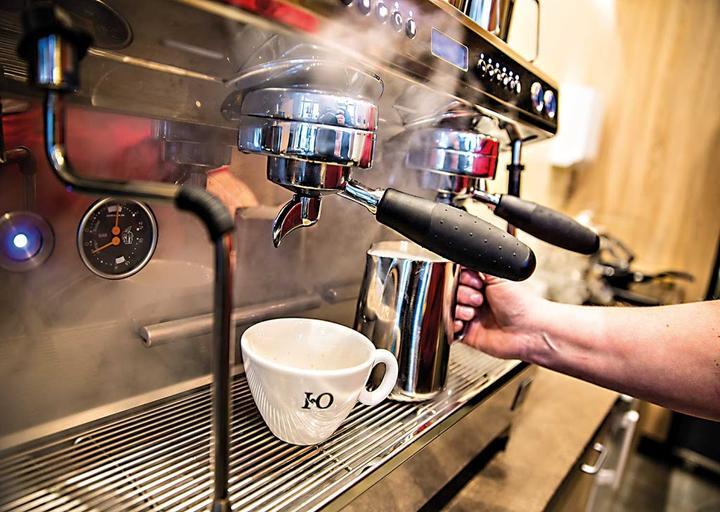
[(53, 47)]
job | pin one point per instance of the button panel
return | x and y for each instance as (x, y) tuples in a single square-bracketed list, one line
[(497, 73), (500, 81)]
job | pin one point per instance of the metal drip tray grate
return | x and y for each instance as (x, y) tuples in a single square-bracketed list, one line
[(158, 458)]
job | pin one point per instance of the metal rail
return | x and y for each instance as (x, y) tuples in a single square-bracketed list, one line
[(158, 458)]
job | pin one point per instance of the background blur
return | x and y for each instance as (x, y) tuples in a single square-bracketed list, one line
[(650, 68)]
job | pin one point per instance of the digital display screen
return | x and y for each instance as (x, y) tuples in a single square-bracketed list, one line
[(449, 50)]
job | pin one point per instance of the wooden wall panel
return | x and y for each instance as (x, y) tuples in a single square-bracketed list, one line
[(655, 182)]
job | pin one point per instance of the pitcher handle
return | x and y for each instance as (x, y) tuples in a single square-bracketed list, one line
[(388, 382), (451, 299)]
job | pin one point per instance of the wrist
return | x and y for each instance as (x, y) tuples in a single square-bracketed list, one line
[(539, 332)]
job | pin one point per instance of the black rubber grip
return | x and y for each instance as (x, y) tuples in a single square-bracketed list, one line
[(548, 225), (209, 208), (456, 235)]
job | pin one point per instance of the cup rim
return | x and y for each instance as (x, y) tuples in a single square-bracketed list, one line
[(246, 349)]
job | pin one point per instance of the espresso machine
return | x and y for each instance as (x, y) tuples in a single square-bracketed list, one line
[(121, 388)]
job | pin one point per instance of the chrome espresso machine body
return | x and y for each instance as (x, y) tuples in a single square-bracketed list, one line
[(117, 333)]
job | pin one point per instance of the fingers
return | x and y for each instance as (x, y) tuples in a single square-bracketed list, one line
[(458, 325), (465, 313), (468, 296), (472, 279)]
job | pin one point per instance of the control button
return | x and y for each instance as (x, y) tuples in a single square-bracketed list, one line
[(491, 71), (481, 66), (550, 104), (506, 81), (518, 87), (536, 95), (382, 12), (346, 2), (410, 28), (396, 20), (365, 6)]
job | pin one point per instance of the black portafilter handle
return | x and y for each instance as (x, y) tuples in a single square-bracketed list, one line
[(548, 225), (456, 235)]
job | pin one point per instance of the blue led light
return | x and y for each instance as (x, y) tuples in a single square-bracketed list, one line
[(26, 241), (20, 243), (20, 240)]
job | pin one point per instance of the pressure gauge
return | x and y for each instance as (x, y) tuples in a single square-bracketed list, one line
[(117, 237)]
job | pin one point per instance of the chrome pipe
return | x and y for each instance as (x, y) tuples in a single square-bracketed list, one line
[(173, 330), (360, 194), (489, 199), (54, 113)]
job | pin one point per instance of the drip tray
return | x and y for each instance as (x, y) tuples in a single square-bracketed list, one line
[(158, 458)]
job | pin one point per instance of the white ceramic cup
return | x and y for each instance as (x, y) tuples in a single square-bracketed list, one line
[(306, 375)]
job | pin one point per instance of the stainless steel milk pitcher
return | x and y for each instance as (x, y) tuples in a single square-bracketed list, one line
[(406, 306)]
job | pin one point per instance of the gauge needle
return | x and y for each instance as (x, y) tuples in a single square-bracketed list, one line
[(115, 241), (116, 228)]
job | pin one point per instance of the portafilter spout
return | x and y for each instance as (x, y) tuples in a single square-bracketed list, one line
[(308, 181)]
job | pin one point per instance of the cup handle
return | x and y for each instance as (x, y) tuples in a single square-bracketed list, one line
[(388, 382)]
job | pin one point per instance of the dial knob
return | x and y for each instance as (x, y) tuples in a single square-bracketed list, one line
[(382, 12), (550, 104), (396, 21), (410, 28), (536, 95), (365, 6)]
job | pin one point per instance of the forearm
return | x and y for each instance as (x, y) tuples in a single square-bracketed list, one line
[(669, 355)]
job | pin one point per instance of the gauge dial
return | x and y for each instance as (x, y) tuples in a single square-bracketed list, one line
[(117, 237)]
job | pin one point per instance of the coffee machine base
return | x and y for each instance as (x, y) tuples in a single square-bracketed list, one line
[(156, 457)]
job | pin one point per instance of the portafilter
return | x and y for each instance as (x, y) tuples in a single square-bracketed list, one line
[(316, 119), (456, 162)]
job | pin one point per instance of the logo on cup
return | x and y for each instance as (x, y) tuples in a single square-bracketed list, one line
[(323, 401)]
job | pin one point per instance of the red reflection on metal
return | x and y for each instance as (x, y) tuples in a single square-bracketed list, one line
[(485, 163), (366, 155), (281, 12), (462, 183)]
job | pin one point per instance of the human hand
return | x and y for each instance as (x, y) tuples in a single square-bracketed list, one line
[(498, 316)]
